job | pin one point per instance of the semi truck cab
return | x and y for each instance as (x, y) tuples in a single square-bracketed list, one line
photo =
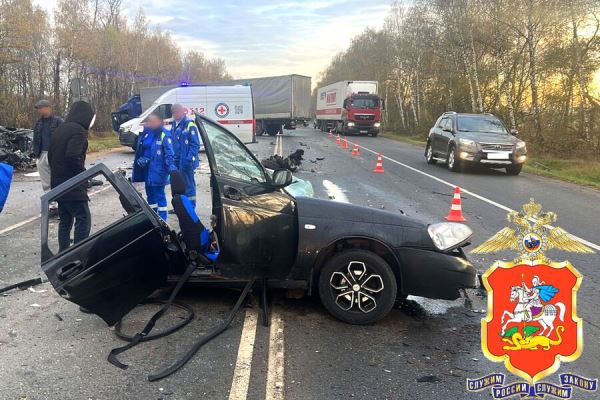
[(361, 114), (350, 107)]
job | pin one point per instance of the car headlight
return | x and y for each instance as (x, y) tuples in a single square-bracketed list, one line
[(521, 146), (468, 145), (350, 124), (377, 124), (448, 235)]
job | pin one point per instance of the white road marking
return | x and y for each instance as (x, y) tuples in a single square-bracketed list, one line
[(19, 224), (482, 198), (275, 389), (335, 192), (278, 146), (31, 219), (243, 365)]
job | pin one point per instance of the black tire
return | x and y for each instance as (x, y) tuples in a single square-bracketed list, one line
[(514, 169), (452, 160), (374, 134), (429, 154), (135, 143), (380, 291), (259, 128)]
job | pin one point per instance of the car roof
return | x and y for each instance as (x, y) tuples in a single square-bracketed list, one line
[(482, 115)]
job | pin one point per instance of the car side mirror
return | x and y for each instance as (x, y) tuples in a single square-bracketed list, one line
[(514, 132), (281, 178)]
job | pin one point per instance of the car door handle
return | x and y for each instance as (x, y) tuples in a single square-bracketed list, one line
[(69, 270), (232, 193)]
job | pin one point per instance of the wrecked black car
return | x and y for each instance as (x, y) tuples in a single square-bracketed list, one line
[(359, 260)]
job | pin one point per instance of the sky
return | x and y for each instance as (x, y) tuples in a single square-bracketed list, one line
[(262, 38)]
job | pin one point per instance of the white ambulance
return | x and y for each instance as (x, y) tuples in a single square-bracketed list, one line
[(231, 106)]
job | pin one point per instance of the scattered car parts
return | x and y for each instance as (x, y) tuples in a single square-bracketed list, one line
[(16, 148)]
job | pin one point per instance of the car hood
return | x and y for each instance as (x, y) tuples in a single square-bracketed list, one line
[(483, 137), (334, 210)]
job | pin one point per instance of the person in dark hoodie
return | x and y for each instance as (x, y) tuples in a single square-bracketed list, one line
[(66, 155)]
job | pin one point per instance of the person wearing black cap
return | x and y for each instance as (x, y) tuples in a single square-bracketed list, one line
[(66, 155), (42, 132)]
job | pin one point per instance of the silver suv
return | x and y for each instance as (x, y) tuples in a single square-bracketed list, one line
[(461, 139)]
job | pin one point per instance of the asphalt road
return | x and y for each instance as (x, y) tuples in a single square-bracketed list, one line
[(49, 350)]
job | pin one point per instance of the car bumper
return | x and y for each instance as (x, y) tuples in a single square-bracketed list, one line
[(361, 129), (127, 138), (435, 275), (485, 158)]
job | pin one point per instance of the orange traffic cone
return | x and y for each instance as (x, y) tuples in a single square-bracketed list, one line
[(356, 150), (379, 166), (345, 144), (456, 214), (330, 135), (337, 139)]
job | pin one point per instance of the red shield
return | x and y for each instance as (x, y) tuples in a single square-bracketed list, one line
[(532, 322)]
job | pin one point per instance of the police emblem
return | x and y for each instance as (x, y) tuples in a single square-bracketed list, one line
[(532, 324)]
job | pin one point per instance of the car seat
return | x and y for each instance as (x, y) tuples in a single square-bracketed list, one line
[(198, 240)]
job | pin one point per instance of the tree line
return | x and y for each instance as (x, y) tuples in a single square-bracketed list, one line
[(93, 40), (534, 63)]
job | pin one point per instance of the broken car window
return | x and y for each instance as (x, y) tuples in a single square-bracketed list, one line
[(232, 158)]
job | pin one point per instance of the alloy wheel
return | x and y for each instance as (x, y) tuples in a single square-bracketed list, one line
[(356, 288), (451, 159)]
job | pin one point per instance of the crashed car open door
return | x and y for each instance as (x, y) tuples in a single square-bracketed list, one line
[(256, 222), (118, 266)]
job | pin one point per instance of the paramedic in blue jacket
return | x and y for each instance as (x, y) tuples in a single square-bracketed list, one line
[(153, 162), (186, 146)]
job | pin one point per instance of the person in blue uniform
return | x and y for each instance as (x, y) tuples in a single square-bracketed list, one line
[(186, 147), (153, 162)]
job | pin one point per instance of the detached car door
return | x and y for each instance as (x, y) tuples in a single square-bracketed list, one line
[(256, 222), (122, 261)]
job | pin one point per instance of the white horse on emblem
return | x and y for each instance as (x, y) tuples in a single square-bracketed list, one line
[(522, 314)]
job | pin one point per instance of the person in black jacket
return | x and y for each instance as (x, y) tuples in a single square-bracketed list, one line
[(42, 132), (67, 152)]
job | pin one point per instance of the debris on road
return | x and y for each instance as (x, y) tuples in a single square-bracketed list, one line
[(16, 148), (291, 162), (428, 379), (22, 285)]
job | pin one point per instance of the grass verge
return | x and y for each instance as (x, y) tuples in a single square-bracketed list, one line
[(412, 139), (102, 142), (575, 171)]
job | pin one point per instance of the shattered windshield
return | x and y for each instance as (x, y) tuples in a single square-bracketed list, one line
[(232, 158), (478, 124)]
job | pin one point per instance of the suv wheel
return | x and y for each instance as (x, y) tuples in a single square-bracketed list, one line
[(357, 287), (452, 160), (514, 169), (429, 154)]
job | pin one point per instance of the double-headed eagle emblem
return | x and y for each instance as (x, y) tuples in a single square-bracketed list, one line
[(532, 237)]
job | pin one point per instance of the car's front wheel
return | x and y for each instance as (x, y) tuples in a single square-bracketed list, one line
[(453, 163), (514, 169), (357, 287), (429, 154)]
